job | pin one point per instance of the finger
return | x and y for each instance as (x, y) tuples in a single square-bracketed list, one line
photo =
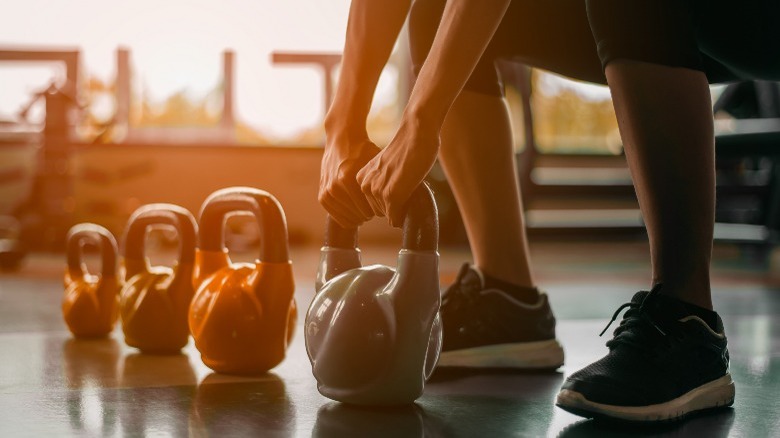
[(352, 199), (351, 190), (365, 187), (361, 176), (373, 201), (396, 215), (344, 224), (345, 216), (359, 200), (338, 193), (338, 215)]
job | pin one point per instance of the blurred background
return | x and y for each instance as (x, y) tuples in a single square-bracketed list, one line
[(175, 76), (106, 106)]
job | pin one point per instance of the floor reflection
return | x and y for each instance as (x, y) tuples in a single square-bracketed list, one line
[(234, 406), (139, 369), (337, 420), (89, 365), (149, 405), (489, 416), (501, 403), (90, 362)]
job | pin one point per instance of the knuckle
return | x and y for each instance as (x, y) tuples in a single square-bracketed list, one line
[(324, 196), (342, 178), (388, 196)]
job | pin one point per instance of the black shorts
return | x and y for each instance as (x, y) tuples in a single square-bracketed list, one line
[(728, 40)]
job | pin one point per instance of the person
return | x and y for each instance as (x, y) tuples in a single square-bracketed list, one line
[(668, 357)]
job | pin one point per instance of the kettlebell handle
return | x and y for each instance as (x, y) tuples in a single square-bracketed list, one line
[(337, 236), (91, 234), (261, 204), (420, 229), (160, 214)]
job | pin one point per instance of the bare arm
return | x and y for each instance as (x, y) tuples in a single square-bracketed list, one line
[(372, 30), (465, 31)]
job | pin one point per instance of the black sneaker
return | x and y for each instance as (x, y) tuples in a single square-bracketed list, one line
[(663, 364), (488, 328)]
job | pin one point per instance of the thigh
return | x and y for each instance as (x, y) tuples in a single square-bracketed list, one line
[(725, 39), (741, 37), (554, 35), (548, 34), (652, 31)]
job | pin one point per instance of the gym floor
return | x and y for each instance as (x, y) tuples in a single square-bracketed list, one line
[(54, 385)]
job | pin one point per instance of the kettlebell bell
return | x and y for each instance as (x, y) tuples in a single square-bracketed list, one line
[(155, 299), (89, 306), (243, 315), (373, 333)]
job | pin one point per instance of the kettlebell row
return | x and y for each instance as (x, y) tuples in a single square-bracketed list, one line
[(241, 315), (373, 333)]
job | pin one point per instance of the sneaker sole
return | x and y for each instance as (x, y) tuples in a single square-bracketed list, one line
[(715, 394), (526, 355)]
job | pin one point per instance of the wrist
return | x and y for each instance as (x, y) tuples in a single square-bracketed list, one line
[(425, 117), (343, 127), (421, 120)]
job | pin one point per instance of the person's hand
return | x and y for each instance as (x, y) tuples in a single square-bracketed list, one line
[(339, 192), (389, 179)]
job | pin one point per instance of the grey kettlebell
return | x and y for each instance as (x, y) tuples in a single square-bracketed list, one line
[(373, 333)]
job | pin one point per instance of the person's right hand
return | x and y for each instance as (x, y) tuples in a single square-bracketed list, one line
[(339, 192)]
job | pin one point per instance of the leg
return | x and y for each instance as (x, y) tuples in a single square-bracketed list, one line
[(490, 323), (478, 157), (668, 357), (665, 120), (493, 320), (476, 152)]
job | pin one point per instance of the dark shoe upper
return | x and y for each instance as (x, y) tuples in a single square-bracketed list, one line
[(473, 316), (658, 353)]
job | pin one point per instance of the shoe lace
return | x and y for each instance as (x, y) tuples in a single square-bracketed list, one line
[(633, 328), (461, 293)]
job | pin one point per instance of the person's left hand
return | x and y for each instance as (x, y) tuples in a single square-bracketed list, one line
[(389, 179)]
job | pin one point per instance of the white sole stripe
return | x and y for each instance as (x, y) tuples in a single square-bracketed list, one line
[(540, 354), (717, 393)]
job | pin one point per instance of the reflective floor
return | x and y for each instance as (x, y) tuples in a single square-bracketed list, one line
[(54, 385)]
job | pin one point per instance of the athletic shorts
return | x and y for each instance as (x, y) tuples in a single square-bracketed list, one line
[(727, 40)]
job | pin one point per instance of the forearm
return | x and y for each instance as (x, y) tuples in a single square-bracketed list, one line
[(466, 28), (372, 30)]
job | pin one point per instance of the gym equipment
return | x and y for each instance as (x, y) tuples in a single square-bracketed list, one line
[(373, 333), (89, 306), (155, 299), (243, 314)]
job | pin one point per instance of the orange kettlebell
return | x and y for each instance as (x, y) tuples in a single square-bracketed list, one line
[(243, 314), (155, 299), (90, 303)]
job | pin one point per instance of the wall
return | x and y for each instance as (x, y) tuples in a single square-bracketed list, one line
[(110, 181)]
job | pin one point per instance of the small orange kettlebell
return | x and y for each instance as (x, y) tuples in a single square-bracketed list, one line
[(243, 314), (155, 299), (90, 303)]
